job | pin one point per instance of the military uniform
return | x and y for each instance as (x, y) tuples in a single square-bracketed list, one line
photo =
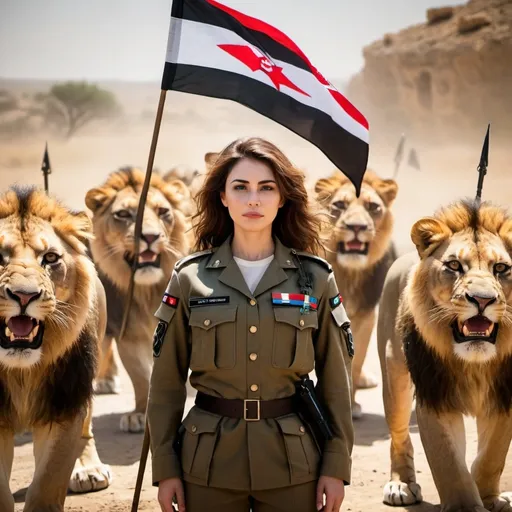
[(253, 347)]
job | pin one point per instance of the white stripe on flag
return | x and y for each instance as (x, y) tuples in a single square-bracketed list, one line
[(194, 43), (285, 297)]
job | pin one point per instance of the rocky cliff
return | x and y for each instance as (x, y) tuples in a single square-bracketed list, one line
[(447, 76)]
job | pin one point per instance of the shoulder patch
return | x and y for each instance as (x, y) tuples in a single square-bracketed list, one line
[(317, 259), (349, 340), (158, 337), (191, 257)]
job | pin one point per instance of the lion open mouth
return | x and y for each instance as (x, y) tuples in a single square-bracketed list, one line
[(476, 328), (147, 258), (21, 332), (353, 247)]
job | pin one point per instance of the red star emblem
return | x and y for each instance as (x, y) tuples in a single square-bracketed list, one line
[(257, 61)]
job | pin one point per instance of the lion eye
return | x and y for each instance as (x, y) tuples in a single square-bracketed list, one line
[(50, 257), (122, 214), (373, 207), (162, 212), (341, 205), (501, 268), (454, 265)]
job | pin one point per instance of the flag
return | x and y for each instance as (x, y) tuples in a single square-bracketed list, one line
[(216, 51)]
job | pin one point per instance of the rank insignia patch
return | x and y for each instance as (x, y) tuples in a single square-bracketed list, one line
[(170, 300), (336, 301), (158, 337)]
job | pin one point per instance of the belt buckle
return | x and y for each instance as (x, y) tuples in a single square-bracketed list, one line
[(245, 409)]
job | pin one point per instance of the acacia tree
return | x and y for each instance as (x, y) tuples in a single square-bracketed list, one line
[(70, 106)]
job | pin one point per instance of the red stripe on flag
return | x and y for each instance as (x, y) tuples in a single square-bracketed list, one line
[(278, 36)]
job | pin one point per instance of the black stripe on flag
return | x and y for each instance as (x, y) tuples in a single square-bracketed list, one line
[(203, 12), (346, 151)]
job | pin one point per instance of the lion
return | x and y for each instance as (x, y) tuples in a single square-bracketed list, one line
[(360, 252), (445, 330), (193, 179), (164, 240), (52, 316)]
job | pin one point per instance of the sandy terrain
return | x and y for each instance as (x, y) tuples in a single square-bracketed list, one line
[(193, 126)]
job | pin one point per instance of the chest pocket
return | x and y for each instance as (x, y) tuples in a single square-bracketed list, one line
[(213, 338), (293, 339)]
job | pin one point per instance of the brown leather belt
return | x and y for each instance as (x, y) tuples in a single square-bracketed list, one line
[(249, 409)]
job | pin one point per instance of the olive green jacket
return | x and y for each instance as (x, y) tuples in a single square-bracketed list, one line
[(239, 344)]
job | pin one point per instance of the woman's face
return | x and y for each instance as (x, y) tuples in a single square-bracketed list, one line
[(251, 195)]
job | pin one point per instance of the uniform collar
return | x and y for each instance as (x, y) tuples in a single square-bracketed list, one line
[(223, 255), (232, 276)]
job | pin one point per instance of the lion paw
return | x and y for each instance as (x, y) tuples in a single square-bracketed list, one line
[(90, 478), (357, 411), (133, 422), (400, 493), (501, 503), (109, 386), (367, 381)]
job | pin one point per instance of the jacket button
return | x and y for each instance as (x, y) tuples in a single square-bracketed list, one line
[(217, 263), (254, 387), (252, 302), (207, 322), (302, 429), (301, 322), (253, 329), (288, 262), (253, 356), (194, 428)]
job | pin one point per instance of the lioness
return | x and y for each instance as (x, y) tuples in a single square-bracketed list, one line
[(360, 252), (164, 241), (52, 315), (445, 324)]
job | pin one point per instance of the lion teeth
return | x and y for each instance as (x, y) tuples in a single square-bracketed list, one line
[(465, 331), (34, 332), (12, 337)]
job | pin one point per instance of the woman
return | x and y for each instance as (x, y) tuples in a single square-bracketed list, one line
[(229, 317)]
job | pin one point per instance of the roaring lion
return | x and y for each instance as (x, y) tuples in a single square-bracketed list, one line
[(445, 326), (163, 242), (360, 252), (52, 317)]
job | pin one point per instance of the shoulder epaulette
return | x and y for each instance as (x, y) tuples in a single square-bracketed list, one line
[(187, 259), (319, 260)]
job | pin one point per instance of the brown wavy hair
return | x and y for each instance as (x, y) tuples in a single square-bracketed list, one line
[(297, 224)]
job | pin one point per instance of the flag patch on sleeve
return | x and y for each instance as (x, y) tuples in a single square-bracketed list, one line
[(336, 301), (170, 300)]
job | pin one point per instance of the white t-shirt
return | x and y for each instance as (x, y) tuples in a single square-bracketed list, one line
[(253, 270)]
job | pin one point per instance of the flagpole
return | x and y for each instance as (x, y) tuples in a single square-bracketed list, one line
[(137, 235), (140, 209)]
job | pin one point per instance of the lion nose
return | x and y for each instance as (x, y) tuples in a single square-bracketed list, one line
[(23, 298), (149, 239), (357, 227), (481, 302)]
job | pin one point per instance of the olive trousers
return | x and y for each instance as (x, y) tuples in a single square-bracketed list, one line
[(296, 498)]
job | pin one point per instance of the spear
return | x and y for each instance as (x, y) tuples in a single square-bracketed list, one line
[(482, 166), (399, 154), (46, 167)]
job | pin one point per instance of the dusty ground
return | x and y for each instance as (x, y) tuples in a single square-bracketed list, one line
[(193, 126)]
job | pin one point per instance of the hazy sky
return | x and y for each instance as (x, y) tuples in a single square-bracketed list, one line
[(126, 39)]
